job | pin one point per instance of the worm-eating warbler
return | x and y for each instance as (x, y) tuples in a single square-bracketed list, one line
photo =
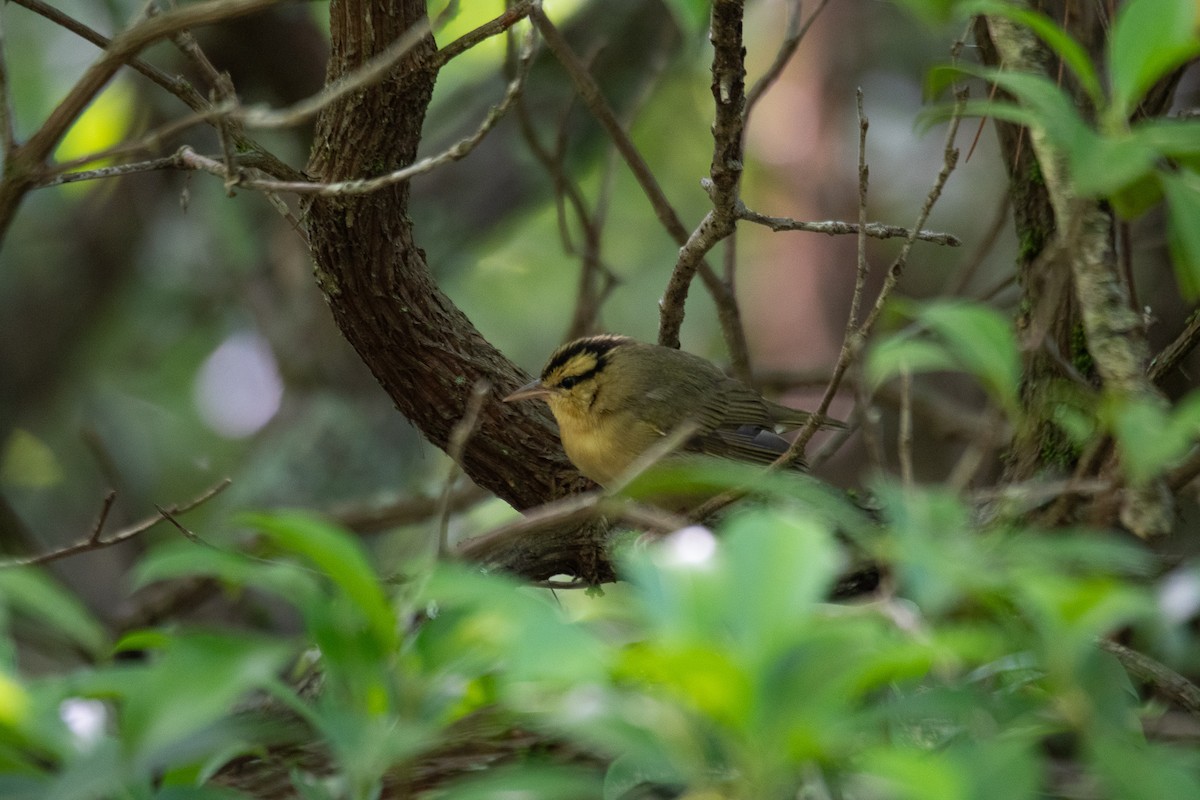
[(614, 397)]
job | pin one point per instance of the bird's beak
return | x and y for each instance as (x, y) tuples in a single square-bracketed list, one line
[(533, 390)]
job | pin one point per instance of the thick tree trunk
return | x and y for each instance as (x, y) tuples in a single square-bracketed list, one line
[(425, 353), (421, 348)]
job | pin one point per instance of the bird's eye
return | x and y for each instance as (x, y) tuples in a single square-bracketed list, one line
[(569, 381)]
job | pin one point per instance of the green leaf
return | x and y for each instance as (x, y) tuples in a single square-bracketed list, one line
[(967, 337), (1150, 38), (984, 344), (916, 774), (904, 353), (1134, 770), (1104, 165), (779, 565), (189, 684), (1064, 46), (340, 556), (529, 780), (1174, 138), (1152, 438), (1183, 229), (32, 593), (290, 582)]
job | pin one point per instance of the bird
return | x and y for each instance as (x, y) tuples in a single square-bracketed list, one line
[(615, 397)]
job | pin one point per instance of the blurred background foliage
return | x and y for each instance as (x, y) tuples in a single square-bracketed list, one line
[(157, 336)]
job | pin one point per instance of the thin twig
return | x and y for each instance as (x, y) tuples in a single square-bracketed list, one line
[(8, 136), (791, 42), (990, 237), (1174, 353), (862, 266), (109, 498), (655, 453), (373, 518), (230, 118), (1167, 681), (459, 436), (862, 270), (876, 230), (190, 159), (854, 341), (976, 452), (725, 172), (1186, 472), (493, 27), (370, 72), (590, 93), (93, 543), (169, 516), (576, 508), (124, 46), (904, 434), (175, 85)]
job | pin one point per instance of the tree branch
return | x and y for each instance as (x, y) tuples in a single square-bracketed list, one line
[(1116, 337), (93, 540), (590, 93)]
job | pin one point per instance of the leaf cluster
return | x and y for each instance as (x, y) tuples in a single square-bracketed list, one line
[(718, 666)]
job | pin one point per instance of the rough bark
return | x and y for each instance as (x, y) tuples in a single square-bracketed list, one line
[(421, 348), (1073, 289)]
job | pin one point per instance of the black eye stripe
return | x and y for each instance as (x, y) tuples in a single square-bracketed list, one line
[(596, 345)]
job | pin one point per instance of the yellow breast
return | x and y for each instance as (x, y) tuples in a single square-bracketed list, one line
[(602, 446)]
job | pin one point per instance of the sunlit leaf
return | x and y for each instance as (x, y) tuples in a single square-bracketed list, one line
[(916, 774), (27, 461), (103, 124), (14, 701)]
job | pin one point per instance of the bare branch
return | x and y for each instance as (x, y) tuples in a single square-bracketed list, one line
[(105, 507), (454, 449), (875, 230), (190, 159), (93, 542), (120, 49), (175, 85), (725, 172), (854, 340), (8, 137), (406, 511), (590, 93), (1174, 353), (369, 73), (1162, 678), (795, 33), (493, 27)]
